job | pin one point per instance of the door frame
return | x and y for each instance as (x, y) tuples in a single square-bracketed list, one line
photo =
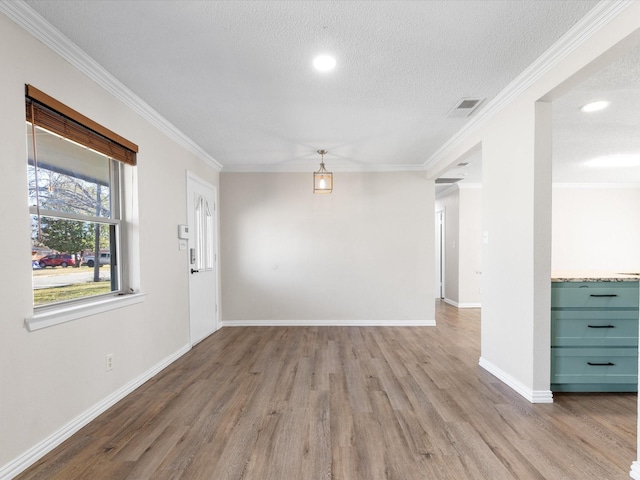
[(192, 177), (440, 252)]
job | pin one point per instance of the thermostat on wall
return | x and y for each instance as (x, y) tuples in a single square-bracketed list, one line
[(183, 232)]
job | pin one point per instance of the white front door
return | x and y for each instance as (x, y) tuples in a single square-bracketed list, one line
[(202, 258)]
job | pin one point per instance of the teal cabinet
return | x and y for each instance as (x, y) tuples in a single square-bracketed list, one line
[(594, 336)]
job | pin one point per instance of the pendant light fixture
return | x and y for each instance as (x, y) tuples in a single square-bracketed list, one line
[(322, 180)]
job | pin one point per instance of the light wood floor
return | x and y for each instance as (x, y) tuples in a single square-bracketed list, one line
[(348, 403)]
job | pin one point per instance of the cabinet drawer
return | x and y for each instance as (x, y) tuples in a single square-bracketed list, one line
[(594, 294), (594, 365), (597, 328)]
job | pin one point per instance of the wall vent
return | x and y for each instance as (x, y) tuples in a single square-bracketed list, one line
[(447, 180), (464, 107)]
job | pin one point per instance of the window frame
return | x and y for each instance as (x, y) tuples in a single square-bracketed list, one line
[(115, 245), (68, 123)]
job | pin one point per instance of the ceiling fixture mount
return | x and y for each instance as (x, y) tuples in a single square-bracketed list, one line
[(322, 180), (324, 63), (595, 106)]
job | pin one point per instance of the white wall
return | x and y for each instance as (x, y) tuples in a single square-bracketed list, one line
[(439, 252), (450, 203), (509, 297), (52, 376), (463, 243), (363, 253), (596, 228), (516, 200), (470, 265)]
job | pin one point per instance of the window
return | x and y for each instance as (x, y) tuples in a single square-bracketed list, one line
[(75, 170), (205, 256)]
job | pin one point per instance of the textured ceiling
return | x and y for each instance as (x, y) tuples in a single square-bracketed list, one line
[(236, 76), (580, 137)]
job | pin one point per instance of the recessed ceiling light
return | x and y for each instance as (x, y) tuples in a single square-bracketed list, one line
[(595, 106), (616, 161), (324, 63)]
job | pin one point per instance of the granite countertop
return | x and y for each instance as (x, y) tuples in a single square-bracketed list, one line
[(594, 276)]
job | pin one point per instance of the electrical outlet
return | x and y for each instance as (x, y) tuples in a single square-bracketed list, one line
[(109, 361)]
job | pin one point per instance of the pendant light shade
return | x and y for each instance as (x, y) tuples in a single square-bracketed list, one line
[(322, 180)]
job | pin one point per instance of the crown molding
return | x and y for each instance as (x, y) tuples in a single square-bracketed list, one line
[(454, 187), (306, 167), (603, 13), (448, 190), (37, 26), (576, 186)]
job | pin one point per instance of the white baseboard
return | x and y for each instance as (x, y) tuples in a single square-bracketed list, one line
[(32, 455), (328, 323), (462, 305), (534, 396), (635, 470), (450, 302), (469, 305)]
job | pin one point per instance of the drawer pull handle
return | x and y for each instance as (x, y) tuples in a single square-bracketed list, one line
[(608, 364), (604, 295), (601, 326)]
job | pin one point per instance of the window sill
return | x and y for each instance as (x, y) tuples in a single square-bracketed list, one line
[(67, 314)]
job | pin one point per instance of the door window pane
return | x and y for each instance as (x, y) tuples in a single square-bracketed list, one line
[(205, 255), (208, 222)]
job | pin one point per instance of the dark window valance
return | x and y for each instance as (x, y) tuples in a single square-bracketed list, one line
[(50, 114)]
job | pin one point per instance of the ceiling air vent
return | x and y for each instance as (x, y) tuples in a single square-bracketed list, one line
[(464, 107), (447, 180)]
